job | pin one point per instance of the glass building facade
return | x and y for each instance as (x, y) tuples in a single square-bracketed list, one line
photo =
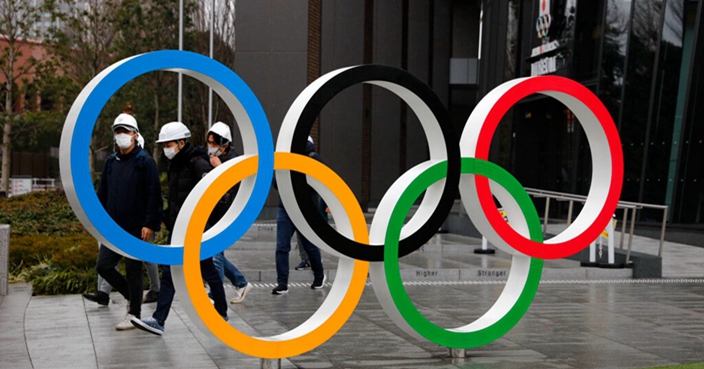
[(644, 59)]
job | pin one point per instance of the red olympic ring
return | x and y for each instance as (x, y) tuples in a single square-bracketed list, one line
[(607, 163)]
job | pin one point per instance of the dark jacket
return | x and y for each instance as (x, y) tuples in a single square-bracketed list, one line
[(130, 192), (310, 151), (224, 204), (185, 170)]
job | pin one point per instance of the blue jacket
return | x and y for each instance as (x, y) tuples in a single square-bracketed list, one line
[(130, 191)]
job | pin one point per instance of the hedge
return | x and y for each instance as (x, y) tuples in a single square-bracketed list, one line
[(49, 247)]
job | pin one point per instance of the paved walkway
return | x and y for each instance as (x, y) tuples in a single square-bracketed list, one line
[(580, 318)]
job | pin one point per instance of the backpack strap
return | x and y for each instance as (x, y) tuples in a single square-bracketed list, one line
[(140, 158)]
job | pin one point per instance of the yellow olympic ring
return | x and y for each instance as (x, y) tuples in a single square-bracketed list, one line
[(343, 297)]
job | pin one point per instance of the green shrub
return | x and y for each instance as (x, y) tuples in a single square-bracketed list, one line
[(80, 250), (28, 250), (49, 248), (45, 212), (63, 281), (161, 237)]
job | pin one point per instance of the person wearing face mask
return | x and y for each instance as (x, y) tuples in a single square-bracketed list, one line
[(284, 232), (220, 150), (129, 191), (102, 295), (187, 165)]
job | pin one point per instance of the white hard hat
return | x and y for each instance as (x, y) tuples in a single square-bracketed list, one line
[(173, 131), (126, 121), (221, 129)]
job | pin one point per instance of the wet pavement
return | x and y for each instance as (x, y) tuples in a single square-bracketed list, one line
[(580, 317)]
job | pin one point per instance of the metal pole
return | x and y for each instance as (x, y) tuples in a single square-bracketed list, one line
[(569, 213), (630, 236), (545, 222), (481, 28), (180, 47), (662, 231), (210, 89), (623, 226), (610, 240)]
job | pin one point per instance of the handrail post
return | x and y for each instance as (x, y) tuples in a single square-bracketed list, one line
[(569, 213), (547, 207), (623, 227), (662, 231), (630, 237)]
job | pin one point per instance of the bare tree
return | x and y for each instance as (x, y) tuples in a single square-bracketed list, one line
[(145, 26), (81, 42), (17, 18)]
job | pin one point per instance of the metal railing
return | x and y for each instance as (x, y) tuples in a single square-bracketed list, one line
[(43, 183), (625, 205)]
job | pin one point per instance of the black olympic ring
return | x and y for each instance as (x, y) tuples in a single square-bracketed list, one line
[(338, 83)]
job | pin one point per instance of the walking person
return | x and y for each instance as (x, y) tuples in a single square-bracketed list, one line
[(284, 233), (305, 260), (152, 269), (102, 294), (220, 150), (187, 165), (129, 191)]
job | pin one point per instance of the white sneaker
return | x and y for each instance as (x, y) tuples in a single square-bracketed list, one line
[(126, 323), (240, 293)]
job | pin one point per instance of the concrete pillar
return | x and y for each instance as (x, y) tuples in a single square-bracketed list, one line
[(456, 353), (4, 257), (271, 364)]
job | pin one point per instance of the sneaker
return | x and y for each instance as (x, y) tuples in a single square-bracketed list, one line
[(303, 266), (100, 297), (150, 297), (279, 290), (318, 282), (240, 293), (148, 325), (126, 323)]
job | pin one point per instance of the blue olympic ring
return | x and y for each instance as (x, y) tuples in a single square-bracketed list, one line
[(84, 113)]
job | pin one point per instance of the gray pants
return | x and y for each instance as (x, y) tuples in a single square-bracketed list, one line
[(152, 271)]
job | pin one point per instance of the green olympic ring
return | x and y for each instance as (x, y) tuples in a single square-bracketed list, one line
[(524, 276)]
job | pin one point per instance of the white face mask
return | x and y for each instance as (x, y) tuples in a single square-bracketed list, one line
[(215, 151), (123, 141), (170, 152)]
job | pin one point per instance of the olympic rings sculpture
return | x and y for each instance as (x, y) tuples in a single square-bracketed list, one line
[(376, 250)]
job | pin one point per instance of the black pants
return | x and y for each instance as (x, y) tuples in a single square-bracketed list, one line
[(130, 288), (167, 290)]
